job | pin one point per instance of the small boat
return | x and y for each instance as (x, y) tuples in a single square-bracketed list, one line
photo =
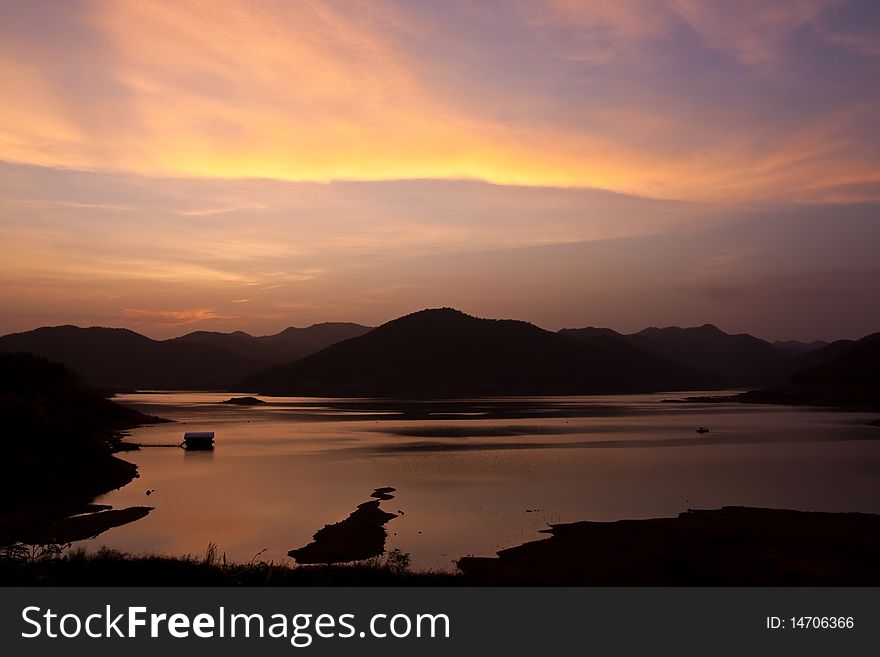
[(702, 430), (198, 440)]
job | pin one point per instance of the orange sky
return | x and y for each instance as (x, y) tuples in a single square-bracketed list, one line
[(163, 160)]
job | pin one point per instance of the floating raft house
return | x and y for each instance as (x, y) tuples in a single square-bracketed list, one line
[(198, 440)]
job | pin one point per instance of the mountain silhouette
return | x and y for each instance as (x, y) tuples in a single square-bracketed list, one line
[(46, 401), (844, 373), (798, 347), (290, 344), (856, 364), (298, 342), (446, 352), (239, 343), (442, 352), (120, 359), (741, 359), (734, 360), (809, 359)]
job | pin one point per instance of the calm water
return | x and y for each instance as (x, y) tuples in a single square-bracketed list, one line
[(474, 477)]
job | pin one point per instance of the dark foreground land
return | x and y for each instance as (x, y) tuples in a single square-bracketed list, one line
[(109, 568), (733, 546), (58, 439)]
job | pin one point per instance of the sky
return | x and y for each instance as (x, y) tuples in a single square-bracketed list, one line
[(188, 165)]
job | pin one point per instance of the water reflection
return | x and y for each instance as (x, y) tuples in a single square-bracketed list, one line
[(198, 455), (475, 476)]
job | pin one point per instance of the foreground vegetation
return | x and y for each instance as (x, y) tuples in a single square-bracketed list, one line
[(49, 566)]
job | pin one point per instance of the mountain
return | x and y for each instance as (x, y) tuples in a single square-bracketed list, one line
[(46, 401), (592, 332), (461, 354), (298, 342), (238, 342), (290, 344), (810, 359), (857, 364), (735, 360), (119, 358), (741, 359), (847, 375), (446, 352), (798, 347)]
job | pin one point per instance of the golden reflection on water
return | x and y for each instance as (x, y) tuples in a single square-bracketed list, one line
[(475, 480)]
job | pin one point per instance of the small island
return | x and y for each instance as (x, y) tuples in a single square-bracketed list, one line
[(243, 401)]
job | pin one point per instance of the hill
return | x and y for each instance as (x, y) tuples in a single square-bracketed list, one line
[(810, 359), (844, 374), (290, 344), (120, 358), (798, 347), (734, 360), (741, 359), (114, 358), (57, 437), (856, 365), (446, 352), (46, 401)]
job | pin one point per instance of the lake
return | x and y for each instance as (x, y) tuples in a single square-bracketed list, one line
[(473, 476)]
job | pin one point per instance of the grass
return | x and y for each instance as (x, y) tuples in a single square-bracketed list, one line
[(44, 566)]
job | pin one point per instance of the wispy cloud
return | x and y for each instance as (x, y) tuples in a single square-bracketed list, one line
[(674, 99), (754, 33), (173, 317), (70, 204), (207, 212)]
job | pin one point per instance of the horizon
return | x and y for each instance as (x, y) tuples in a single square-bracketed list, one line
[(254, 165), (171, 336)]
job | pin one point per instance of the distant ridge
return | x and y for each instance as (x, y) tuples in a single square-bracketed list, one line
[(114, 358), (798, 347), (735, 360), (852, 364), (120, 358), (446, 352), (433, 352), (289, 344), (843, 374)]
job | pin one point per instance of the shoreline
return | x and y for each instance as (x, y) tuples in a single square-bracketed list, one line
[(844, 398), (730, 546), (60, 489)]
